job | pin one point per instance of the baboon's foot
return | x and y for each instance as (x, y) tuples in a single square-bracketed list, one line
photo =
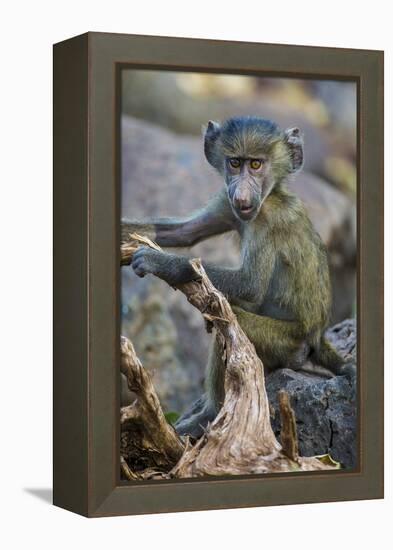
[(194, 421)]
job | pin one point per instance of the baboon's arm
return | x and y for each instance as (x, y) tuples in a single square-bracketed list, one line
[(215, 218), (247, 283)]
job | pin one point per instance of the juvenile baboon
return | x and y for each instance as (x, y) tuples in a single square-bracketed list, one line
[(281, 291)]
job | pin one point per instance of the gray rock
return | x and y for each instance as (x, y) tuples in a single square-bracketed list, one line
[(325, 412)]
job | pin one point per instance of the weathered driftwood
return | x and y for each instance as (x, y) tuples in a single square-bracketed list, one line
[(288, 427), (241, 439), (151, 443), (126, 470), (130, 246)]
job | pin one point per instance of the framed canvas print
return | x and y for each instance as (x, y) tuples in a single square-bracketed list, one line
[(218, 274)]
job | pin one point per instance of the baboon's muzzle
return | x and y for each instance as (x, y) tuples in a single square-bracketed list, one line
[(244, 202)]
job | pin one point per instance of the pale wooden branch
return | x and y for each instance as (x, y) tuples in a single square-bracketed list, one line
[(128, 248), (288, 434), (151, 441), (126, 470), (241, 439)]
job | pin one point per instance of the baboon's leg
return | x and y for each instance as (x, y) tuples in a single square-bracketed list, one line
[(203, 411), (215, 376), (194, 421), (278, 343)]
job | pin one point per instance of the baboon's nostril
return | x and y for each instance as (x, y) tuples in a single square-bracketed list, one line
[(243, 204)]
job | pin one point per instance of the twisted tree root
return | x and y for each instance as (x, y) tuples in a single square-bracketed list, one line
[(151, 442)]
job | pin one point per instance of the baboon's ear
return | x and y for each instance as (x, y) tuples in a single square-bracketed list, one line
[(293, 137), (211, 134)]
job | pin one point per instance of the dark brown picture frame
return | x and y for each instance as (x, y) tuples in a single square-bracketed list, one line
[(86, 273)]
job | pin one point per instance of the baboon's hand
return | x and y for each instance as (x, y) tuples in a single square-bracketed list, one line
[(169, 267), (146, 260)]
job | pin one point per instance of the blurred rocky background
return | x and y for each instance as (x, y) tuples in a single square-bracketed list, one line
[(164, 173)]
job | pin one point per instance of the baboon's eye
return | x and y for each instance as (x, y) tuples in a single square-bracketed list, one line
[(256, 164), (235, 163)]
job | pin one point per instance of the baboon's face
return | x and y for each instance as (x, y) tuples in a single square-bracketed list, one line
[(253, 155), (249, 181)]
